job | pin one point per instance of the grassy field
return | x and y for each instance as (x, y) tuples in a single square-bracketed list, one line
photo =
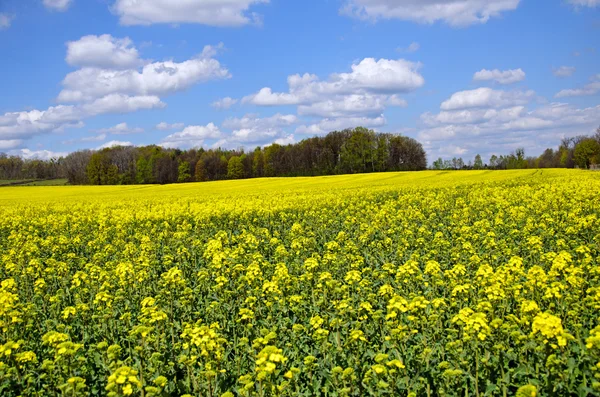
[(34, 182), (475, 283), (7, 182)]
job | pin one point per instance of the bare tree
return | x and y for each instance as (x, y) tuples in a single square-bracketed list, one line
[(75, 165)]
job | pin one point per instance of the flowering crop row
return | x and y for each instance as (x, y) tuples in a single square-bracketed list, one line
[(447, 284)]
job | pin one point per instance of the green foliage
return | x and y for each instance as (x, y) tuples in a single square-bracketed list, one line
[(235, 168), (100, 171), (587, 152), (184, 172), (478, 164), (144, 171)]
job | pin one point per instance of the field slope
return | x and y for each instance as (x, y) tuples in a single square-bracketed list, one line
[(480, 283)]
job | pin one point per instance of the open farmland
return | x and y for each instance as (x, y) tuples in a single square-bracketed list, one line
[(473, 283)]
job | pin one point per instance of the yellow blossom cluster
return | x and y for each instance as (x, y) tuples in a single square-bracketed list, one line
[(398, 284)]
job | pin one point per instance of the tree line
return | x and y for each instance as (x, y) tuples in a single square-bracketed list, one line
[(581, 151), (356, 150)]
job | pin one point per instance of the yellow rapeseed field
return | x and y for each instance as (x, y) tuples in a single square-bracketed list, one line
[(475, 283)]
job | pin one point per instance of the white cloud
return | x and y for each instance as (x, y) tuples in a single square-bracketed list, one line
[(10, 143), (119, 87), (266, 97), (40, 154), (206, 12), (252, 121), (472, 116), (502, 77), (413, 47), (453, 151), (327, 125), (119, 103), (254, 129), (103, 51), (345, 100), (224, 103), (113, 144), (166, 126), (159, 78), (585, 3), (453, 12), (591, 88), (121, 129), (58, 5), (564, 71), (192, 136), (26, 124), (368, 76), (350, 105), (287, 140), (501, 123), (487, 97), (5, 20)]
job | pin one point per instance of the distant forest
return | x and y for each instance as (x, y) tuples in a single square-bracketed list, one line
[(581, 151), (349, 151)]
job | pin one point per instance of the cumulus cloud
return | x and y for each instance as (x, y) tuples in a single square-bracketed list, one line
[(10, 143), (113, 144), (287, 140), (500, 123), (57, 5), (26, 124), (166, 126), (253, 121), (350, 105), (564, 71), (206, 12), (591, 88), (266, 97), (119, 103), (327, 125), (502, 77), (40, 154), (103, 51), (5, 20), (487, 97), (224, 103), (254, 129), (158, 78), (192, 136), (121, 129), (348, 99), (247, 131), (112, 79), (456, 13), (381, 76)]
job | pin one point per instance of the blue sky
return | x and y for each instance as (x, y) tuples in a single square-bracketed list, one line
[(461, 76)]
